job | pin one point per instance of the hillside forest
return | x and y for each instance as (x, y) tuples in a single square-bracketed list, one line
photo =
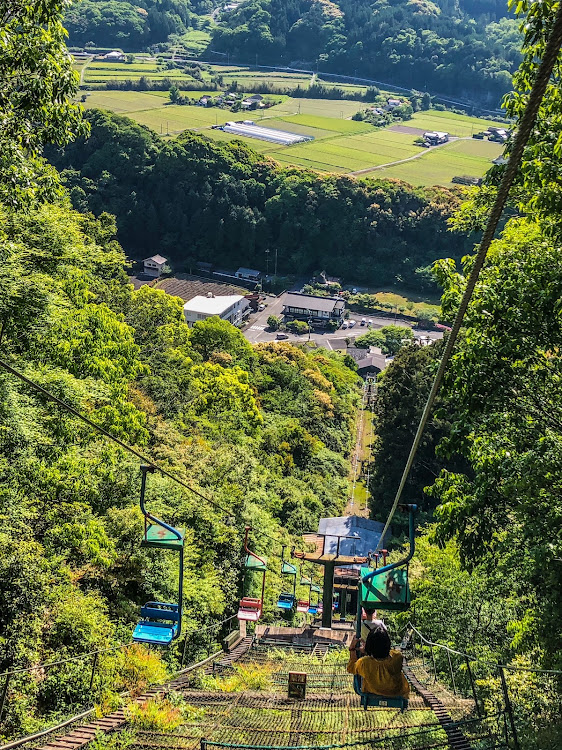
[(262, 432), (194, 199), (467, 49)]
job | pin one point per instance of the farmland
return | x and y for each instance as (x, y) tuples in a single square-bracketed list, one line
[(340, 145), (436, 167)]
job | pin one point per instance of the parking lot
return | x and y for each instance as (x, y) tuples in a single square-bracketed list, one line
[(256, 329)]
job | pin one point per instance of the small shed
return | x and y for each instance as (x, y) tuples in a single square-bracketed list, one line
[(154, 265)]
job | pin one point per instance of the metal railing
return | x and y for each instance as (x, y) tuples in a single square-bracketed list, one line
[(468, 675), (205, 645)]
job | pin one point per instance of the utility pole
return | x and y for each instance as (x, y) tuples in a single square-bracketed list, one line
[(275, 274), (267, 262)]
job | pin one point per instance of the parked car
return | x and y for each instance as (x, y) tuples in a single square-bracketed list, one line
[(354, 290), (261, 307), (345, 324), (363, 321), (352, 323), (282, 336)]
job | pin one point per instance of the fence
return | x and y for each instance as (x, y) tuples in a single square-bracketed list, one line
[(66, 690)]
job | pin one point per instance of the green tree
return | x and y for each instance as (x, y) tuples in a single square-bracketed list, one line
[(390, 338), (273, 322), (38, 84), (214, 335), (503, 391)]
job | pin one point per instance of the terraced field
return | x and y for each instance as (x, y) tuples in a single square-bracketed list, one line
[(340, 145), (449, 122), (439, 166)]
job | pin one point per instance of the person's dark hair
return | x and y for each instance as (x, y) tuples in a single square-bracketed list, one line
[(370, 610), (378, 644)]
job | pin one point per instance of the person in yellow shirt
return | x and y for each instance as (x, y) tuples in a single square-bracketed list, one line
[(380, 668)]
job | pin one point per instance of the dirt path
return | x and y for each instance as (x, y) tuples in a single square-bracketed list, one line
[(358, 490)]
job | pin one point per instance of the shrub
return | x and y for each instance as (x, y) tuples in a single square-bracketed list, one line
[(248, 677), (273, 322), (160, 714), (114, 741), (298, 326)]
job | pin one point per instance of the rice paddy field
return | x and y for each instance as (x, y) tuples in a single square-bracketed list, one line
[(449, 122), (340, 144), (472, 158)]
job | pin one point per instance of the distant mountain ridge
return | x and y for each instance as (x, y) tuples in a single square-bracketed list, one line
[(467, 48)]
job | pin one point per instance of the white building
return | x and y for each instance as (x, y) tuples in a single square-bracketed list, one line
[(249, 129), (154, 266), (115, 56), (230, 307)]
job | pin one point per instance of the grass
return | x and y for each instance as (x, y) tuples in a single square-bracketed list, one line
[(340, 145), (125, 101), (350, 153), (175, 118), (331, 124), (319, 107), (195, 41), (460, 125), (438, 167), (243, 677)]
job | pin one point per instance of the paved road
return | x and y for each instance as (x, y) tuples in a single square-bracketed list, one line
[(256, 330)]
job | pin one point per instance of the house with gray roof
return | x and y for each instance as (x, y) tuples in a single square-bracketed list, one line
[(321, 310)]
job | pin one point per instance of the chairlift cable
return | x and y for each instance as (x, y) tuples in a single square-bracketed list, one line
[(64, 405), (519, 142)]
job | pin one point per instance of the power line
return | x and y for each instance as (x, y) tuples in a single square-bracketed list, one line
[(118, 441), (519, 142)]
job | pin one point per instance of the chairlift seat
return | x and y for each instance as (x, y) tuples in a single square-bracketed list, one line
[(387, 591), (302, 605), (160, 624), (254, 563), (288, 570), (313, 609), (381, 701), (287, 601), (162, 538), (250, 609)]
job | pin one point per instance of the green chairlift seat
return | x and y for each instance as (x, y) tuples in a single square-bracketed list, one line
[(159, 536), (288, 570), (160, 622), (389, 590), (255, 563)]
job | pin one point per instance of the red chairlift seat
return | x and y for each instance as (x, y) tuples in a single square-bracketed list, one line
[(250, 609)]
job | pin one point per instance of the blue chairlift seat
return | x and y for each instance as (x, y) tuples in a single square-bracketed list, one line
[(313, 609), (160, 624), (372, 699), (287, 602)]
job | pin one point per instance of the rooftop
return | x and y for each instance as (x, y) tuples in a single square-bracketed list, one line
[(310, 302), (157, 259), (366, 534), (212, 305), (248, 271), (187, 287)]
